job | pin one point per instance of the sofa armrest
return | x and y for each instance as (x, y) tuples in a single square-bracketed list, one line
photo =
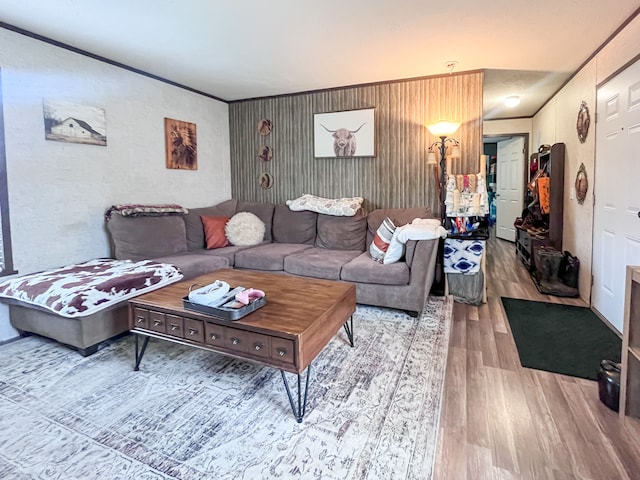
[(421, 259)]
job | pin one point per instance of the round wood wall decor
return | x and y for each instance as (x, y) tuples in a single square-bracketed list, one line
[(265, 180), (264, 127), (582, 184), (265, 153), (582, 124)]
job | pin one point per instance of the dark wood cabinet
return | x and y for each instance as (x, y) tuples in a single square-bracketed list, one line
[(549, 232)]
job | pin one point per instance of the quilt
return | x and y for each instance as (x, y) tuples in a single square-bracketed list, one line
[(86, 288)]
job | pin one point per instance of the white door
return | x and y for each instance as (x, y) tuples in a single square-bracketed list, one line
[(616, 225), (509, 186)]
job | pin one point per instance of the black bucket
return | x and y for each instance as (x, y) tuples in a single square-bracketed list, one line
[(609, 384)]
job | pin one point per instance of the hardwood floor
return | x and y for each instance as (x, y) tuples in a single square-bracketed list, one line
[(500, 420)]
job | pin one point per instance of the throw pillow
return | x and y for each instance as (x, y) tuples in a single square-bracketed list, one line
[(395, 251), (214, 231), (339, 207), (381, 240), (245, 229)]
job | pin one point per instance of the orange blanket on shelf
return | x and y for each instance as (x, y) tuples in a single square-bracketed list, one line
[(544, 194)]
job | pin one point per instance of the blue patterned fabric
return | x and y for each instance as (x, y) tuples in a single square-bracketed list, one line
[(462, 256)]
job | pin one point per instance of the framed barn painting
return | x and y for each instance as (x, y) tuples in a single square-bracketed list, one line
[(344, 134), (74, 123), (181, 144)]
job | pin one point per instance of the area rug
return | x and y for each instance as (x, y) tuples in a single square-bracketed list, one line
[(560, 338), (372, 413)]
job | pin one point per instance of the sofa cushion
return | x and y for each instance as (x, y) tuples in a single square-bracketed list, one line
[(342, 233), (141, 238), (214, 231), (192, 265), (399, 217), (294, 227), (193, 223), (229, 253), (264, 211), (319, 262), (364, 269), (269, 256)]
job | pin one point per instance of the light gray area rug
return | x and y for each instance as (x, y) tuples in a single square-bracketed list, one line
[(372, 413)]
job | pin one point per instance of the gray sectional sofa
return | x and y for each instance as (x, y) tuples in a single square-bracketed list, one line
[(295, 243)]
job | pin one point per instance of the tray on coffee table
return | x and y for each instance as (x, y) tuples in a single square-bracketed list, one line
[(230, 314)]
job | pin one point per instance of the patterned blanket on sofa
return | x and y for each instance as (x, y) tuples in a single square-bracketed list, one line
[(86, 288)]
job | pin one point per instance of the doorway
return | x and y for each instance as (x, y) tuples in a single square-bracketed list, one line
[(506, 177)]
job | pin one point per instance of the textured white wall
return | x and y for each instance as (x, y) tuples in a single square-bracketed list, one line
[(58, 192), (509, 126), (556, 122)]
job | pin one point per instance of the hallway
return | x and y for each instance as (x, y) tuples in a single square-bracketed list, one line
[(500, 420)]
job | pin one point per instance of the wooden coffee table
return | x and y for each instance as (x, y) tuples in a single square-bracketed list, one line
[(299, 319)]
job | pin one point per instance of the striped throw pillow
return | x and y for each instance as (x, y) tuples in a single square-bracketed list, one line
[(381, 241)]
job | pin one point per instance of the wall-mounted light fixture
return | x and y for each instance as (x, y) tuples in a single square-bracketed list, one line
[(443, 129), (512, 101)]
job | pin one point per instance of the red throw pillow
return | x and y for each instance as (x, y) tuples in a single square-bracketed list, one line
[(214, 231)]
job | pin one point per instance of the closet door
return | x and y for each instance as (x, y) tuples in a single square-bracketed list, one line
[(616, 228), (509, 186)]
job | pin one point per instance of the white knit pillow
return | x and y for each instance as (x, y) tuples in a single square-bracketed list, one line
[(244, 228)]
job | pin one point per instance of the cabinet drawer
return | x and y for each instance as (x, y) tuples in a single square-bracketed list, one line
[(140, 318), (193, 330), (282, 350), (157, 322), (259, 345), (236, 340), (175, 326), (213, 334)]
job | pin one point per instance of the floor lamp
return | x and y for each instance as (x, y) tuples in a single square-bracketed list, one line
[(442, 129)]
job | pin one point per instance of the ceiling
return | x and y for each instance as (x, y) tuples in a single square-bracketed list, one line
[(254, 48)]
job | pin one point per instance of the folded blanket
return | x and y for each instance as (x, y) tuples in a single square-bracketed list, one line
[(86, 288), (137, 210)]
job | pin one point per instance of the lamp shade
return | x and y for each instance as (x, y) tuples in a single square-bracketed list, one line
[(431, 158), (443, 128)]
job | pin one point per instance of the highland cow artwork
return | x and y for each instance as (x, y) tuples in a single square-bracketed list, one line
[(344, 134), (181, 144)]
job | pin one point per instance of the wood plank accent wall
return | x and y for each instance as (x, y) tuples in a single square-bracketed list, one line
[(397, 177)]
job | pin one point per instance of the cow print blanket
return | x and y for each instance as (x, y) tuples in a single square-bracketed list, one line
[(86, 288)]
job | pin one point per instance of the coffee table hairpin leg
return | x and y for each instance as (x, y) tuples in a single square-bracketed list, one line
[(348, 327), (140, 353), (302, 406)]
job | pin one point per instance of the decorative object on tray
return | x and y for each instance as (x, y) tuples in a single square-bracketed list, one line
[(244, 229), (334, 134), (181, 144), (265, 180), (339, 207), (582, 184), (582, 124), (264, 127), (220, 300)]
